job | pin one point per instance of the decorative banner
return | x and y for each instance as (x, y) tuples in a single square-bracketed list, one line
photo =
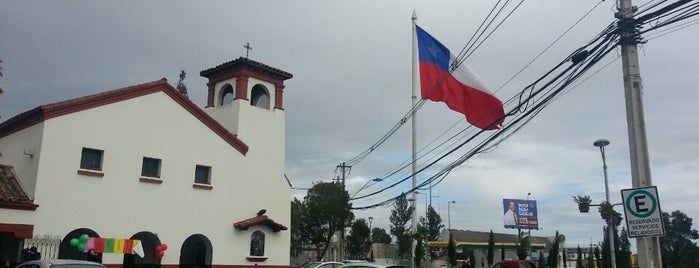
[(118, 245), (84, 243), (99, 244), (128, 246)]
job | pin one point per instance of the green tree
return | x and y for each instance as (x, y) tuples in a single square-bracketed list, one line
[(541, 263), (328, 210), (400, 215), (676, 247), (471, 258), (624, 255), (451, 251), (433, 225), (522, 247), (552, 259), (590, 260), (491, 248), (579, 260), (299, 234), (502, 252), (420, 237), (358, 243), (379, 235), (598, 260)]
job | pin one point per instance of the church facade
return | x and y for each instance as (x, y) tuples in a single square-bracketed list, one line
[(147, 178)]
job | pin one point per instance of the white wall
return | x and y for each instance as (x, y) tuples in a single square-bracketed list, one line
[(118, 205), (14, 147)]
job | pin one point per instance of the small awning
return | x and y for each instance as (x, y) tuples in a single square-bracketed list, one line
[(261, 220)]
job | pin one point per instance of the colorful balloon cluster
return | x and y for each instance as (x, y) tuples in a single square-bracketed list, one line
[(79, 242), (160, 251)]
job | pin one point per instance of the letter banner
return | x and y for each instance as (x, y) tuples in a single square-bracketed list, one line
[(114, 245)]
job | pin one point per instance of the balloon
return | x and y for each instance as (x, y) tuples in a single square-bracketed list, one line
[(158, 248), (164, 246), (160, 254), (84, 238), (74, 242), (81, 247)]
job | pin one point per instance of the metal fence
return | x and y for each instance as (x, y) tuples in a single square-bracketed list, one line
[(48, 245)]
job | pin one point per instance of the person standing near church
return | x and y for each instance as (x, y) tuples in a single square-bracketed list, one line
[(93, 256)]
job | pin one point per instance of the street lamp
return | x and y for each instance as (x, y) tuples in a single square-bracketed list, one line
[(610, 225), (529, 232), (371, 241), (365, 185), (449, 215)]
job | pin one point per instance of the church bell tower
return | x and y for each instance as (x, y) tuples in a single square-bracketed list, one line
[(247, 98)]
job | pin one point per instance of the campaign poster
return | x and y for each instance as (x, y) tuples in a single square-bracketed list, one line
[(520, 214)]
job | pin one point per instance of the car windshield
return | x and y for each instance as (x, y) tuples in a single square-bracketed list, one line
[(311, 265), (74, 265)]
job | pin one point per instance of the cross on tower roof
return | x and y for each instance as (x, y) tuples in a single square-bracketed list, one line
[(247, 49)]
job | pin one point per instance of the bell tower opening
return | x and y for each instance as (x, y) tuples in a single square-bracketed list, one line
[(227, 95), (260, 97)]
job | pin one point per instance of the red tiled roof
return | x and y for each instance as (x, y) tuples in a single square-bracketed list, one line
[(12, 194), (263, 220), (241, 63), (48, 111)]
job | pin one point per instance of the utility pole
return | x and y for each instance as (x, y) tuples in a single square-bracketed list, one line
[(648, 247), (344, 171)]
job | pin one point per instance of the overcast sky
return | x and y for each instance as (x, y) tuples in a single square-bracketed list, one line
[(351, 62)]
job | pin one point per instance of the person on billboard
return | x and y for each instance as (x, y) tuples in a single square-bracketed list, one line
[(510, 217)]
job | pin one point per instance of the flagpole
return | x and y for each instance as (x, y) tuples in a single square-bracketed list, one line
[(413, 223)]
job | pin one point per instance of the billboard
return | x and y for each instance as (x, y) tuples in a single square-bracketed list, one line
[(520, 214)]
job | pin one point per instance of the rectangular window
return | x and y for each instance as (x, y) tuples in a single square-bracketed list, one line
[(91, 159), (151, 167), (202, 174)]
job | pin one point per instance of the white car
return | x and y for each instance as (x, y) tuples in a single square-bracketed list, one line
[(370, 265), (328, 264), (60, 263)]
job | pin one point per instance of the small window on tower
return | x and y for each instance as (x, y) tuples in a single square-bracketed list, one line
[(202, 174), (260, 97), (91, 159), (227, 94)]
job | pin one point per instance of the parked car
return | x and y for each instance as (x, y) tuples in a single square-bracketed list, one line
[(60, 263), (318, 264), (370, 265), (514, 264)]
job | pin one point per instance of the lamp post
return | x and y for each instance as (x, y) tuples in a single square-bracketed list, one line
[(371, 241), (610, 225), (529, 232), (449, 215), (365, 185)]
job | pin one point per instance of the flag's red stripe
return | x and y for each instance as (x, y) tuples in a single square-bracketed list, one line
[(481, 109)]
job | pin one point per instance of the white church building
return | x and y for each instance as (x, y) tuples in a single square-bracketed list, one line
[(149, 179)]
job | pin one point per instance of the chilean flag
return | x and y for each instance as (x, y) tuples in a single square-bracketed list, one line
[(461, 89)]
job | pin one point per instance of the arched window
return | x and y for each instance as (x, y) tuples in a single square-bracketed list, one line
[(257, 244), (260, 97), (227, 94)]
